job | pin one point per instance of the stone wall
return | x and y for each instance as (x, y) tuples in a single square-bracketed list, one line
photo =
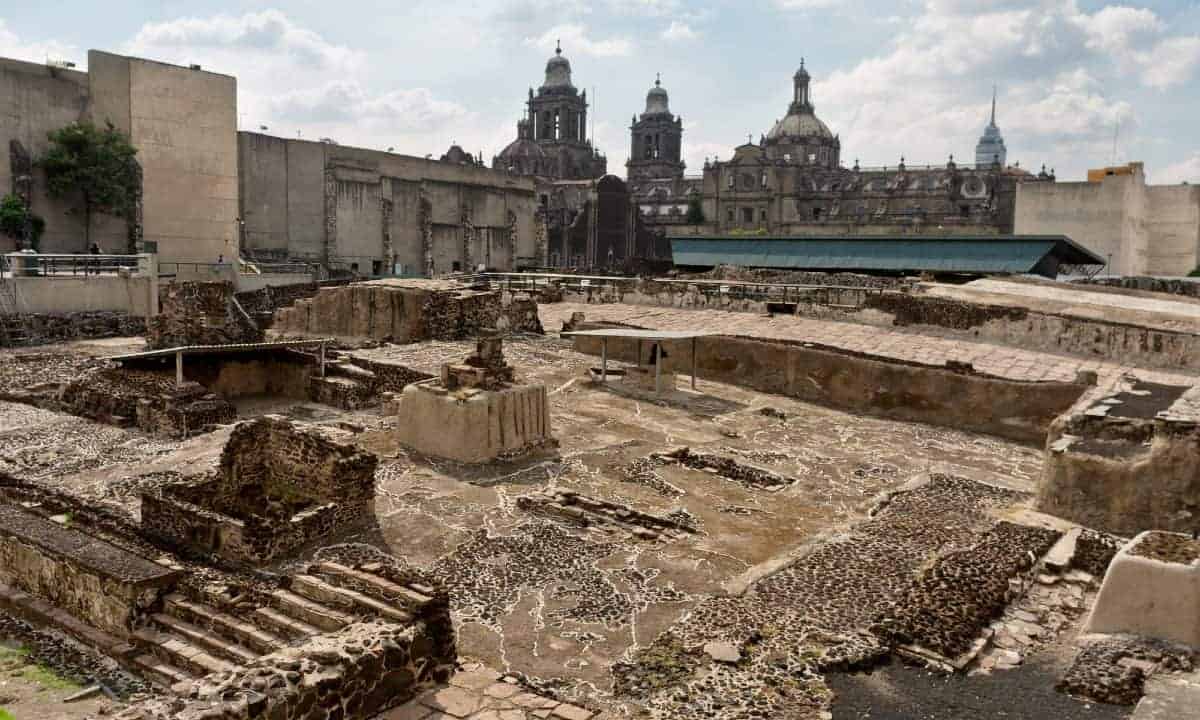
[(474, 426), (1013, 326), (951, 396), (355, 673), (149, 400), (404, 311), (93, 580), (199, 313), (279, 486), (1172, 286), (29, 329), (261, 304), (381, 212), (1121, 469)]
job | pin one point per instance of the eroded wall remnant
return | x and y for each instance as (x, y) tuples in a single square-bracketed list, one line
[(199, 313), (475, 412), (953, 395), (1127, 462), (404, 311), (280, 486)]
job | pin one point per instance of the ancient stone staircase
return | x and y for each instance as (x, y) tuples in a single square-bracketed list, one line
[(190, 639)]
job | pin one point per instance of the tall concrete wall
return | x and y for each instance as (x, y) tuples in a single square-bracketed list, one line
[(34, 101), (381, 211), (1145, 229), (183, 123)]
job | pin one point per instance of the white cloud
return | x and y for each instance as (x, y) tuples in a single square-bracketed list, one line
[(267, 32), (1187, 170), (12, 46), (652, 8), (575, 40), (806, 4), (1171, 62), (928, 94), (679, 32), (294, 80)]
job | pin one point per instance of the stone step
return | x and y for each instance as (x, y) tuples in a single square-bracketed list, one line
[(179, 652), (159, 672), (322, 592), (380, 587), (212, 643), (285, 625), (313, 613), (245, 633)]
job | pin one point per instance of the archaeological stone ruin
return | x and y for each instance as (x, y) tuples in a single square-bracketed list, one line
[(527, 498)]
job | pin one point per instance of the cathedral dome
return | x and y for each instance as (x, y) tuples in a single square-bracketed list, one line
[(524, 148), (558, 71), (657, 101), (803, 124)]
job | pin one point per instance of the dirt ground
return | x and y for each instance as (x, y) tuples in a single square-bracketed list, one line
[(31, 692)]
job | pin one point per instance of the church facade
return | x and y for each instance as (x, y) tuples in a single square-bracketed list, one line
[(793, 181)]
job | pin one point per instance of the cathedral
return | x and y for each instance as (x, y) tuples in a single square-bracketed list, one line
[(793, 182), (552, 140), (587, 217)]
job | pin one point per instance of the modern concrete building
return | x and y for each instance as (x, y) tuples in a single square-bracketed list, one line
[(1141, 229), (378, 212), (183, 122)]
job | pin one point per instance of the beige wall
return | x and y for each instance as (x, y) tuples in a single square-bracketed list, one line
[(136, 295), (1146, 229), (184, 124), (34, 101), (284, 186)]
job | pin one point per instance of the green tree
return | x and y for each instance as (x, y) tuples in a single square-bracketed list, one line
[(695, 211), (14, 215), (96, 164)]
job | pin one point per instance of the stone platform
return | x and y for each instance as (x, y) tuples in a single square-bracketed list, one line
[(473, 426), (1152, 589), (92, 579)]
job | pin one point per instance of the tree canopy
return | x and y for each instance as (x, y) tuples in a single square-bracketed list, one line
[(97, 164), (13, 218), (695, 211)]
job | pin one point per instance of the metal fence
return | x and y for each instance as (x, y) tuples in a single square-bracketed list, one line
[(59, 265)]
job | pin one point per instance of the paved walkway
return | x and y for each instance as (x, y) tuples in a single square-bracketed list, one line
[(999, 360), (479, 693)]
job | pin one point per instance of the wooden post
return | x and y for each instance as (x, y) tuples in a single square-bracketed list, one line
[(658, 363), (604, 360), (178, 368), (322, 355), (693, 363)]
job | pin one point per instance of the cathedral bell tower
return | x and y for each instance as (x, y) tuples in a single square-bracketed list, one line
[(656, 139)]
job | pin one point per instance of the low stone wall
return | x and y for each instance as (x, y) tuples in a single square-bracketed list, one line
[(200, 313), (407, 311), (1151, 593), (30, 329), (951, 396), (280, 486), (1121, 474), (1171, 286), (474, 426), (261, 304), (390, 377), (97, 582), (355, 673), (149, 400), (1013, 326)]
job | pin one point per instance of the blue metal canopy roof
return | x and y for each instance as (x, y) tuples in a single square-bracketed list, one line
[(959, 254)]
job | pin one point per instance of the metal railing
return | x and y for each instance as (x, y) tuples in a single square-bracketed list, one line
[(61, 265)]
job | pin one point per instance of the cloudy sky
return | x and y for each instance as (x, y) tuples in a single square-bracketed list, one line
[(895, 78)]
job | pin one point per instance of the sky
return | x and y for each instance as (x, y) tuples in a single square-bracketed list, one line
[(1080, 83)]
